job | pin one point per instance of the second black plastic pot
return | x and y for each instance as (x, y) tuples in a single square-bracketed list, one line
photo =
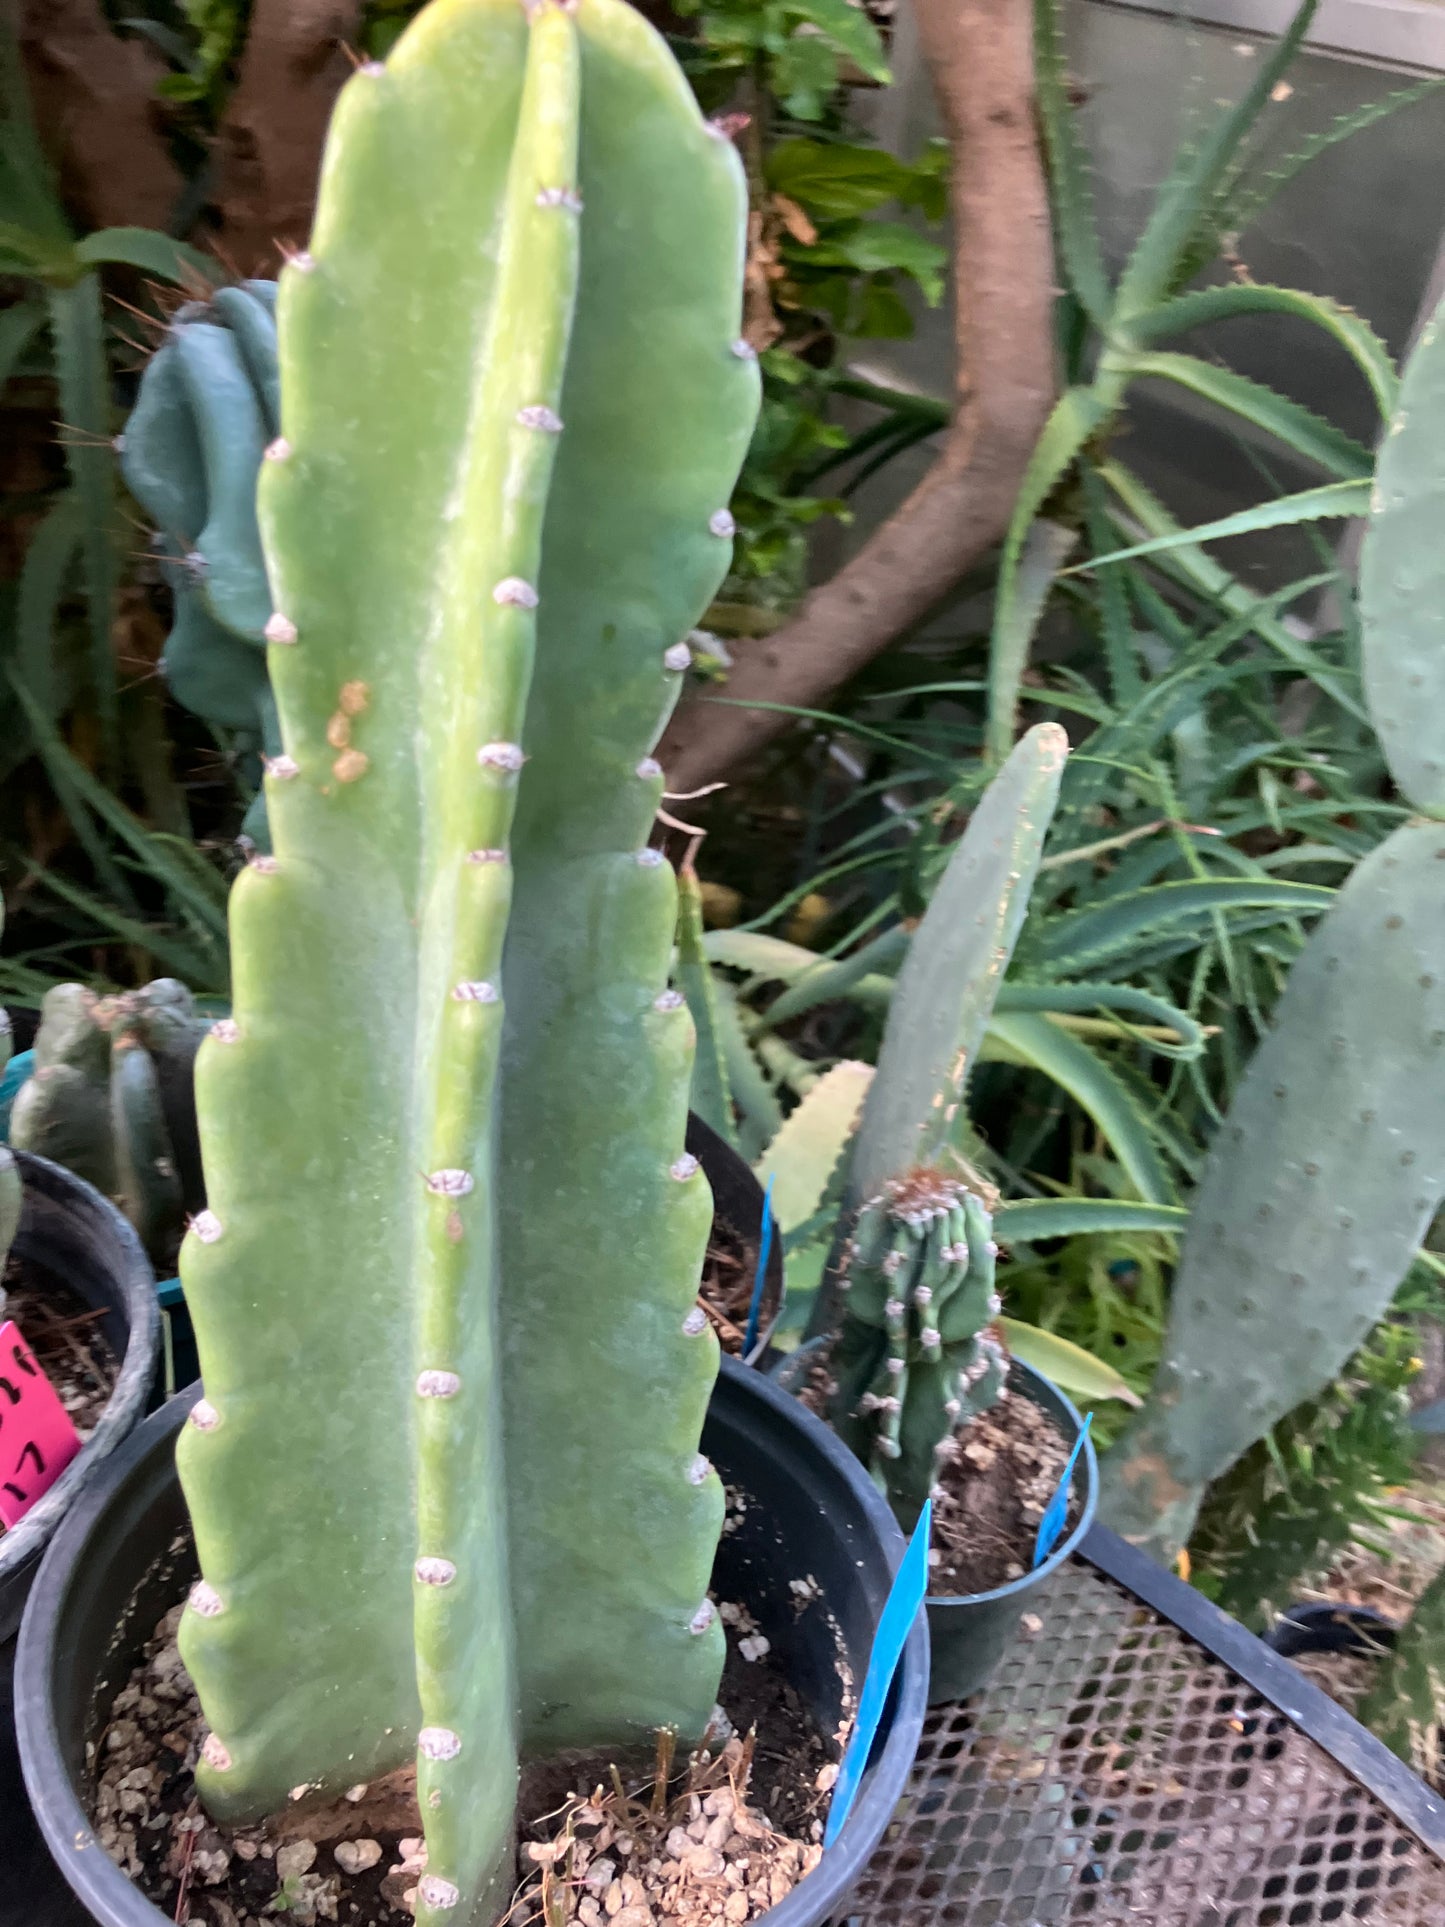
[(970, 1633), (737, 1198), (810, 1513), (1332, 1626), (70, 1233)]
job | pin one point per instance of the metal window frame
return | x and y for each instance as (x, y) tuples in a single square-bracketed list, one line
[(1396, 33)]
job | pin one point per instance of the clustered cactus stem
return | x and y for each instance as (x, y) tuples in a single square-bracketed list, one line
[(917, 1356), (110, 1098)]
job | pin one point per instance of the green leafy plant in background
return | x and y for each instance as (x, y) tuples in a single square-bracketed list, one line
[(1207, 811), (452, 1033), (1329, 1165), (832, 256), (1118, 333), (140, 889), (37, 245), (1319, 1481)]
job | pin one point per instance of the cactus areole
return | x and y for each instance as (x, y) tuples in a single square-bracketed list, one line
[(444, 1480)]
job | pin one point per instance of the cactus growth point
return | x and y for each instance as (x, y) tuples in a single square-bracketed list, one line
[(444, 1482), (111, 1100)]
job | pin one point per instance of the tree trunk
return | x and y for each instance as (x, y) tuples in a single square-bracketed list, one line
[(268, 147), (980, 55), (93, 98)]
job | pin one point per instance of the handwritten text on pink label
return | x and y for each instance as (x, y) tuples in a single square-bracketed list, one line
[(37, 1438)]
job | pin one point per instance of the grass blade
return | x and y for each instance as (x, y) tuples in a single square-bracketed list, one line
[(83, 377)]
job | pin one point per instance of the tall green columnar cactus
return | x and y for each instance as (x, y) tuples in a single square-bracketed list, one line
[(111, 1100), (914, 1357), (445, 1479), (1331, 1162), (208, 407)]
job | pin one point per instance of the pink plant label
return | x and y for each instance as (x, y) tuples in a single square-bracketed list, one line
[(37, 1438)]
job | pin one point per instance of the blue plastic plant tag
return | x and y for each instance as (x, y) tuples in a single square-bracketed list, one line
[(17, 1072), (905, 1601), (765, 1249), (1057, 1510)]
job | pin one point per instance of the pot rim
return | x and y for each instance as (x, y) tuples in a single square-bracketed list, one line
[(103, 1887), (1026, 1379), (26, 1541)]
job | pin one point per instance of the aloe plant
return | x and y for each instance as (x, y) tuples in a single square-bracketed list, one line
[(1330, 1163), (110, 1098), (445, 1481)]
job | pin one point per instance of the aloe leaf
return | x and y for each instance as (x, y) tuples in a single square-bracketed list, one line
[(1326, 503), (83, 376), (1020, 609), (1288, 421), (710, 1096), (1081, 938), (1075, 227), (1033, 1041), (1202, 306), (1070, 1367), (1030, 1220), (1215, 583), (150, 251), (1197, 172), (807, 1151)]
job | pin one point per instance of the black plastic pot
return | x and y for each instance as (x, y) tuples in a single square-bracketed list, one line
[(1332, 1626), (969, 1632), (111, 1573), (70, 1231)]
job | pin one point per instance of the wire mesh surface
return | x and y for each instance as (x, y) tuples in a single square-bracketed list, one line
[(1114, 1773)]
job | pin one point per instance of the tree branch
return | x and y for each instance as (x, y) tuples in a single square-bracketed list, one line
[(93, 97), (980, 56), (268, 146)]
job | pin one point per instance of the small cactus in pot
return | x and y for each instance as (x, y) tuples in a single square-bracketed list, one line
[(918, 1354), (912, 1299)]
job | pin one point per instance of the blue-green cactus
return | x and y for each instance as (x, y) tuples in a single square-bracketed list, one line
[(111, 1099), (208, 408), (1330, 1164), (445, 1483)]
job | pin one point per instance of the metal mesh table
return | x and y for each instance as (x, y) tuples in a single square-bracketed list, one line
[(1139, 1760)]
